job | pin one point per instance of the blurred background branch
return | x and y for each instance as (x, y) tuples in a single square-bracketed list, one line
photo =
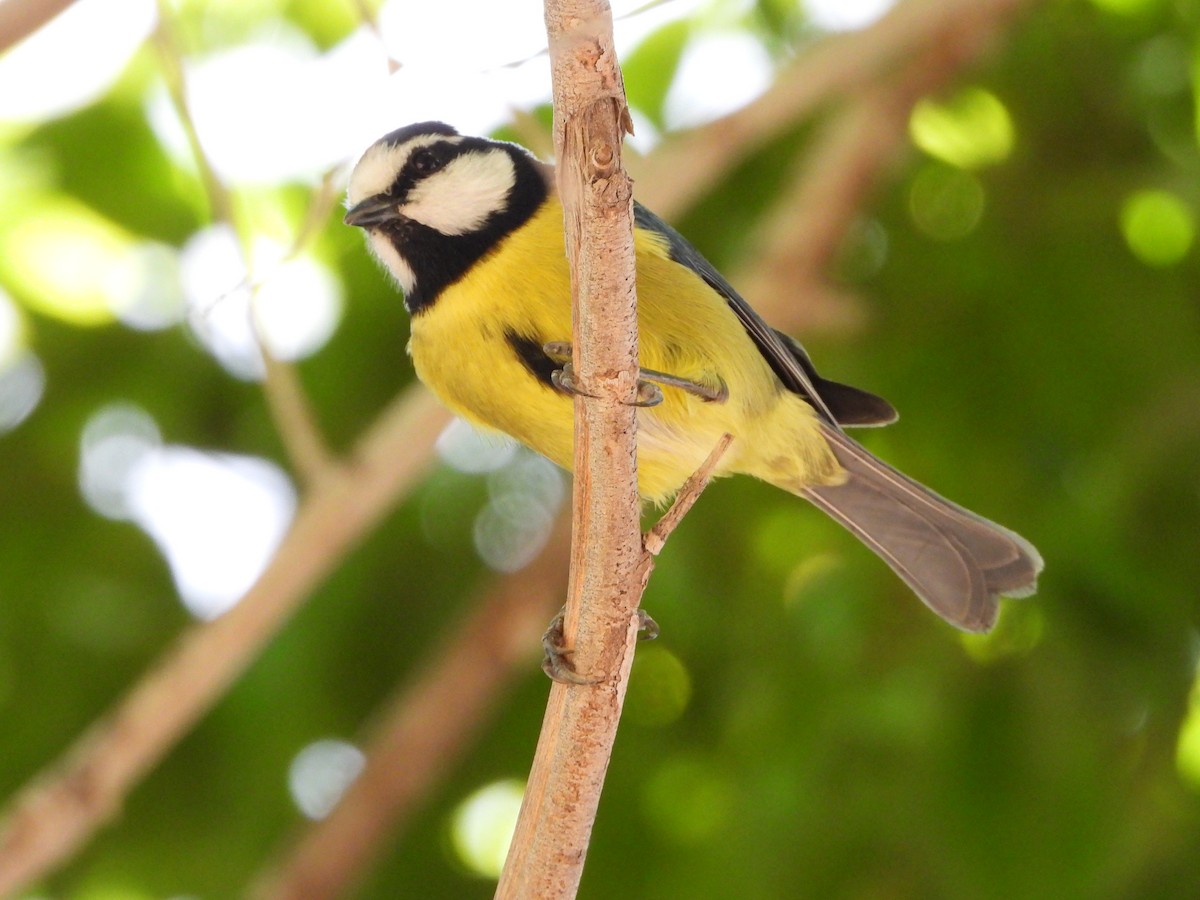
[(833, 69), (19, 18), (801, 237), (60, 810), (424, 731), (289, 406)]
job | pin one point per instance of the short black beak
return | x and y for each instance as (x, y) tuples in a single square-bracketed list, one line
[(372, 212)]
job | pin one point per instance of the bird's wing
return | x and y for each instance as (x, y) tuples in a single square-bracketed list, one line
[(838, 404)]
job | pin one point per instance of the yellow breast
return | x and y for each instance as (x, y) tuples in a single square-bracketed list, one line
[(460, 351)]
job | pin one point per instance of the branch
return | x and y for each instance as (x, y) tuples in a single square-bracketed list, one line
[(432, 720), (426, 729), (656, 539), (60, 809), (590, 116)]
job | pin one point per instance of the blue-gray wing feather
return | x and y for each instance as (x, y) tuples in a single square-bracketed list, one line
[(838, 404)]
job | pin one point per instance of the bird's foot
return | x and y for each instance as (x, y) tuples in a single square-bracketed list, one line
[(557, 662), (649, 386)]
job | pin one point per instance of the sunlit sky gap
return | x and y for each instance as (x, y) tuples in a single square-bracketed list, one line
[(320, 773)]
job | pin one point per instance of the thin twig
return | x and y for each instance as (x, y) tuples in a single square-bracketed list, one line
[(170, 57), (321, 203), (369, 17), (289, 406), (293, 413), (657, 536), (295, 421), (798, 241), (62, 808)]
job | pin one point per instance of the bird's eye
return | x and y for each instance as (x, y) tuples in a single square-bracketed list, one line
[(425, 161)]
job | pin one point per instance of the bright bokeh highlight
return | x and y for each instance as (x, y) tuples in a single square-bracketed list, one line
[(22, 383), (73, 60), (149, 295), (467, 449), (524, 497), (845, 15), (294, 303), (320, 773), (67, 261), (482, 826), (22, 377), (717, 74), (971, 130), (1158, 227), (275, 109), (499, 34), (1187, 746), (12, 338), (114, 441), (216, 517), (297, 307), (215, 287)]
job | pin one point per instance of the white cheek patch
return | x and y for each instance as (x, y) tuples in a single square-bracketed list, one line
[(387, 253), (379, 166), (460, 197)]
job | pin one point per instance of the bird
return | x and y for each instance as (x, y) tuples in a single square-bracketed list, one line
[(471, 231)]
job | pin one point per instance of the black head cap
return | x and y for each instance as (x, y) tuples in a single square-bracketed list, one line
[(408, 132)]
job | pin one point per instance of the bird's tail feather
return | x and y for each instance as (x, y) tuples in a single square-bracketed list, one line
[(958, 563)]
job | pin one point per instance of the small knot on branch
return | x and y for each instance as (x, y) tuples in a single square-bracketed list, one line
[(603, 160)]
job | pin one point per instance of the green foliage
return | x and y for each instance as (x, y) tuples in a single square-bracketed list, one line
[(804, 727), (650, 69)]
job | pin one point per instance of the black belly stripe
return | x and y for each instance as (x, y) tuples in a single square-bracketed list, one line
[(529, 351)]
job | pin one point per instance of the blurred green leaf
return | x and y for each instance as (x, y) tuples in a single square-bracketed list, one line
[(650, 69)]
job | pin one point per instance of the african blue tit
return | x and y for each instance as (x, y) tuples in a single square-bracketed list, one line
[(472, 232)]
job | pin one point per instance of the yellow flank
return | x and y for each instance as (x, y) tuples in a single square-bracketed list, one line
[(686, 329)]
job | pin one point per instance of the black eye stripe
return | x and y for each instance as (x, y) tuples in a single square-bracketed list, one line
[(428, 159), (421, 163)]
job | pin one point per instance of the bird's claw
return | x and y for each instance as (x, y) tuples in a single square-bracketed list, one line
[(564, 380), (648, 629), (649, 385), (648, 394), (557, 661)]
